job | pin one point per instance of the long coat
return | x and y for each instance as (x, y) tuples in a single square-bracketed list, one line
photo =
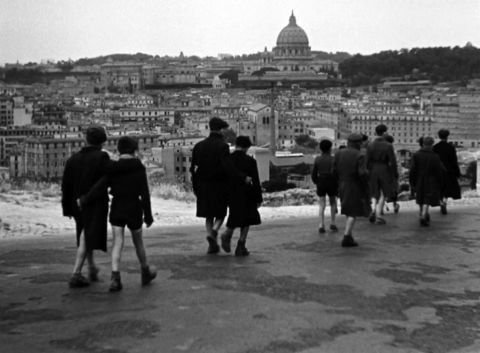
[(349, 168), (82, 171), (448, 156), (211, 170), (382, 166), (426, 177), (242, 198)]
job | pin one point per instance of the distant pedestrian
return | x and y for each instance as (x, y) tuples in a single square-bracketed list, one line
[(212, 170), (130, 207), (327, 184), (243, 199), (382, 166), (426, 179), (393, 199), (349, 168), (82, 171), (448, 156)]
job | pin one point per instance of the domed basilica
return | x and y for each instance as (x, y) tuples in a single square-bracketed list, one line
[(292, 57)]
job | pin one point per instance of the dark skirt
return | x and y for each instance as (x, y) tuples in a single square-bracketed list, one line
[(242, 214), (452, 188), (93, 221), (212, 198), (354, 199)]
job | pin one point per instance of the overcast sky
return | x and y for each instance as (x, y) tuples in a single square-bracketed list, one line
[(32, 30)]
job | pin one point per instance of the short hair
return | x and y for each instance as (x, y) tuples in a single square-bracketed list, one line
[(243, 142), (443, 134), (428, 141), (217, 124), (364, 138), (95, 135), (420, 141), (127, 145), (325, 145), (381, 129)]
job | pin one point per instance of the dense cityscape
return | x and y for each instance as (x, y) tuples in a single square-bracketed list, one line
[(286, 100)]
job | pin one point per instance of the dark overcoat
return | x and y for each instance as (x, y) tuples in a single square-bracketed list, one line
[(350, 170), (127, 179), (244, 198), (211, 170), (382, 166), (82, 171), (427, 177), (448, 156)]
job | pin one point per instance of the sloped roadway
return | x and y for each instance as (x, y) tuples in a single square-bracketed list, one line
[(404, 289)]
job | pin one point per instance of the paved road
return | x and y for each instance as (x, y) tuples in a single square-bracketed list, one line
[(404, 289)]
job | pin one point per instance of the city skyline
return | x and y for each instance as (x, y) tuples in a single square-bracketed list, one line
[(61, 30)]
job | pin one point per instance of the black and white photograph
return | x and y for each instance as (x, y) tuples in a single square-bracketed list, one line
[(239, 176)]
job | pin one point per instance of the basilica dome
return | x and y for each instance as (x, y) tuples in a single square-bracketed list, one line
[(292, 41), (292, 34)]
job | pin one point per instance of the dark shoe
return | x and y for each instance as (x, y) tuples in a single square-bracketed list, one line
[(241, 250), (116, 283), (213, 247), (225, 242), (148, 275), (443, 208), (333, 228), (321, 230), (396, 208), (424, 222), (348, 241), (78, 281), (372, 217), (93, 274), (380, 221)]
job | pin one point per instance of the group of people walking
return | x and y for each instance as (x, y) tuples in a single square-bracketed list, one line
[(365, 175)]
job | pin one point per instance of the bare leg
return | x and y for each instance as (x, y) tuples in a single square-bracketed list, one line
[(243, 234), (380, 204), (139, 247), (209, 226), (321, 211), (333, 209), (348, 240), (118, 241), (217, 223), (349, 225), (81, 254)]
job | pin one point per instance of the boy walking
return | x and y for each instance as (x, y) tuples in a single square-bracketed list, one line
[(244, 199), (327, 184)]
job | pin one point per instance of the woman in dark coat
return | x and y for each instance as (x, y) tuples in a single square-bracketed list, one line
[(82, 171), (426, 179), (349, 167), (448, 156), (243, 199)]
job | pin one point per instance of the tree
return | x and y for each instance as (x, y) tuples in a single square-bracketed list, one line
[(230, 136)]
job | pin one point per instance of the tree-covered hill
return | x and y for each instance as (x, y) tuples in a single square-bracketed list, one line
[(438, 64)]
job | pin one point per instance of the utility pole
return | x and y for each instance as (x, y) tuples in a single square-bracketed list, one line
[(273, 140)]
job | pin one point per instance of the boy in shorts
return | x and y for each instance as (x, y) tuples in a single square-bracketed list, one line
[(130, 207), (322, 176)]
